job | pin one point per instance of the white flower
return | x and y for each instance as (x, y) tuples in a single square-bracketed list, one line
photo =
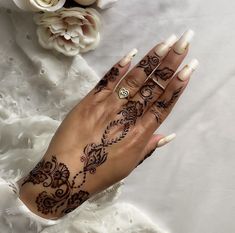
[(40, 5), (103, 4), (69, 30)]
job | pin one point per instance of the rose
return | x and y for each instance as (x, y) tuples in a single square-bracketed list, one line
[(103, 4), (40, 5), (69, 31)]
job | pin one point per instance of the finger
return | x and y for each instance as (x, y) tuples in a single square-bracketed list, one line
[(160, 109), (114, 75), (157, 140), (161, 77), (137, 76)]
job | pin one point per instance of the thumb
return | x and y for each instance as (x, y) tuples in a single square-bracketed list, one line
[(157, 140)]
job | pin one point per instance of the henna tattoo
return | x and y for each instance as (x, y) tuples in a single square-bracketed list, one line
[(166, 104), (146, 91), (148, 63), (131, 111), (56, 176), (109, 77), (145, 157), (163, 74), (157, 115), (64, 195)]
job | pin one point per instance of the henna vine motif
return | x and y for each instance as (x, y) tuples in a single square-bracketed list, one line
[(64, 195), (166, 104), (149, 63), (163, 74), (110, 76)]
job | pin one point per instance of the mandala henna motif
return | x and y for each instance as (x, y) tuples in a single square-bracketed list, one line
[(109, 77), (149, 63)]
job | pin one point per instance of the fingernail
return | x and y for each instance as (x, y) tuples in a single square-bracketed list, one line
[(166, 140), (127, 59), (187, 71), (184, 41), (162, 49)]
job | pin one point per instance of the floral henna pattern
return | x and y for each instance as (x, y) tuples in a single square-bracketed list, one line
[(163, 74), (76, 200), (149, 63), (109, 77), (65, 192), (131, 111)]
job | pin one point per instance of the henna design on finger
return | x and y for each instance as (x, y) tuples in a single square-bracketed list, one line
[(157, 115), (149, 63), (146, 91), (109, 77), (166, 104), (163, 74)]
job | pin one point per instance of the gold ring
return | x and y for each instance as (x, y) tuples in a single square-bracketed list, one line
[(123, 93), (159, 84)]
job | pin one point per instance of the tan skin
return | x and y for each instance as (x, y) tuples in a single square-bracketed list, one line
[(86, 123)]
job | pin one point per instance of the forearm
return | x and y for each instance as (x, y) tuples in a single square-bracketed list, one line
[(53, 188)]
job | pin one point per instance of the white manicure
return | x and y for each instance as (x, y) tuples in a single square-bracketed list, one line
[(125, 60), (166, 140), (162, 49), (187, 71), (184, 41)]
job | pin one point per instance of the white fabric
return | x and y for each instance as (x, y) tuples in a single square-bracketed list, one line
[(37, 89)]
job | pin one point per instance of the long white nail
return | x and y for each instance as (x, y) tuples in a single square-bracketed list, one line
[(187, 71), (162, 49), (166, 140), (127, 59), (184, 41)]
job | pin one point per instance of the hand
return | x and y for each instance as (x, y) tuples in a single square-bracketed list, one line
[(110, 131)]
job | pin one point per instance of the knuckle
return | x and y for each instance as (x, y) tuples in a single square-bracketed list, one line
[(132, 82)]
